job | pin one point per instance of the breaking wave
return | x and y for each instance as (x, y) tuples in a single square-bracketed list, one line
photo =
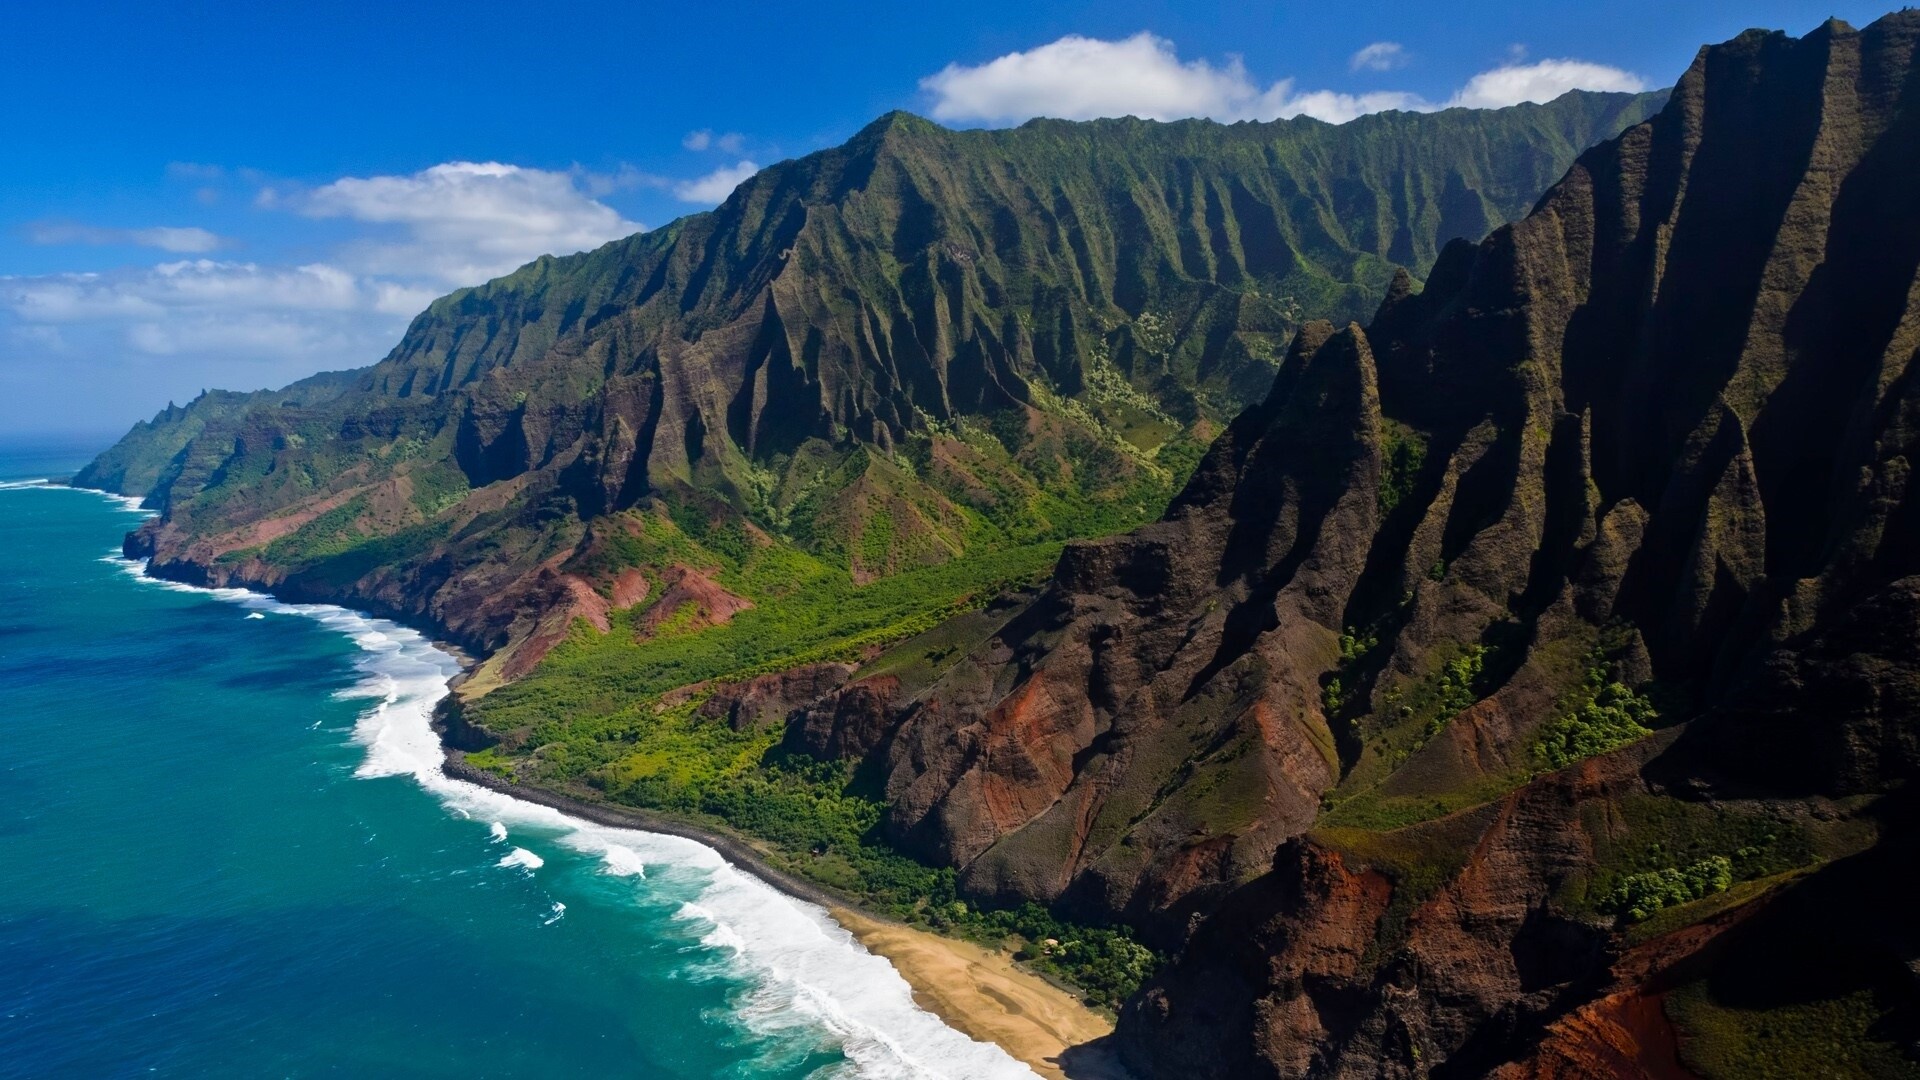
[(522, 858), (811, 982)]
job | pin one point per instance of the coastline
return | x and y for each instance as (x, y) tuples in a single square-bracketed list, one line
[(978, 992), (974, 990)]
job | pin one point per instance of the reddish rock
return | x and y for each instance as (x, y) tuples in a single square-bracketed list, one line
[(697, 599), (769, 700)]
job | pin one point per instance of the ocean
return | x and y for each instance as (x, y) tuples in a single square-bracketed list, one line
[(226, 849)]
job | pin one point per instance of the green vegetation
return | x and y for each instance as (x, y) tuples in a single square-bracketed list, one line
[(331, 533), (1002, 391), (1374, 811), (1424, 708), (1406, 455), (1453, 691), (1831, 1037), (810, 820), (805, 610), (1597, 715), (592, 716), (1413, 716), (1354, 647), (1605, 716), (1654, 852), (1669, 919), (1637, 896)]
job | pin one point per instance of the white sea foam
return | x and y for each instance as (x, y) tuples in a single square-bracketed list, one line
[(522, 858), (125, 502), (559, 911), (498, 830), (811, 979), (255, 615), (621, 861)]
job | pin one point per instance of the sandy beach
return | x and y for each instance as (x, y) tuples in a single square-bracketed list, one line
[(975, 990), (986, 995)]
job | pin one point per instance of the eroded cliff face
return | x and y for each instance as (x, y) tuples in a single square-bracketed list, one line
[(1692, 369), (1360, 727), (1056, 764), (916, 347)]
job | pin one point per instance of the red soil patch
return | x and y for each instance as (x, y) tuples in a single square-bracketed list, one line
[(267, 530), (687, 588), (630, 588)]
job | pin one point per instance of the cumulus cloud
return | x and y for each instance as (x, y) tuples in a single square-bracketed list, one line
[(463, 222), (729, 142), (716, 185), (1338, 108), (203, 290), (1545, 80), (412, 238), (146, 333), (1081, 78), (181, 241), (1379, 56)]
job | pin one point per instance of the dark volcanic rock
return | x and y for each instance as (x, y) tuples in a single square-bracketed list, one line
[(1673, 406), (1151, 727), (770, 700)]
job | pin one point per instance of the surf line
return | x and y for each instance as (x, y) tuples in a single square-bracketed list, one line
[(809, 974)]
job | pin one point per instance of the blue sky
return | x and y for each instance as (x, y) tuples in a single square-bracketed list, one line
[(209, 194)]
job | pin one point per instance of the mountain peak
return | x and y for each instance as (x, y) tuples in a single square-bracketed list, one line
[(896, 122)]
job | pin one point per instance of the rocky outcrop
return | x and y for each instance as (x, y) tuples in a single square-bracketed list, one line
[(1337, 728), (1297, 976), (1139, 734), (1673, 406), (771, 700)]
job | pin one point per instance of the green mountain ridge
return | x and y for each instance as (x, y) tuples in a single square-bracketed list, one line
[(921, 346)]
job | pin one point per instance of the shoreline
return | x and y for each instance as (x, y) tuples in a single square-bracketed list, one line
[(976, 991)]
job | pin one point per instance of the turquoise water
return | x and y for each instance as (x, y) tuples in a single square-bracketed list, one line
[(225, 851)]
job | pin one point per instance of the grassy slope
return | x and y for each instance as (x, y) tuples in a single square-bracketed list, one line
[(592, 721)]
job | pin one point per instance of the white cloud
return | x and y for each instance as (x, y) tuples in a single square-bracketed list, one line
[(1338, 108), (137, 337), (204, 287), (182, 241), (411, 238), (1545, 80), (464, 222), (730, 142), (1379, 56), (716, 185), (1081, 78)]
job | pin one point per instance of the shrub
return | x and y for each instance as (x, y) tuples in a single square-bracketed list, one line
[(1611, 716), (1637, 896)]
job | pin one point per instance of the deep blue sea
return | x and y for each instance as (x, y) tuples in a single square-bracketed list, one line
[(226, 850)]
